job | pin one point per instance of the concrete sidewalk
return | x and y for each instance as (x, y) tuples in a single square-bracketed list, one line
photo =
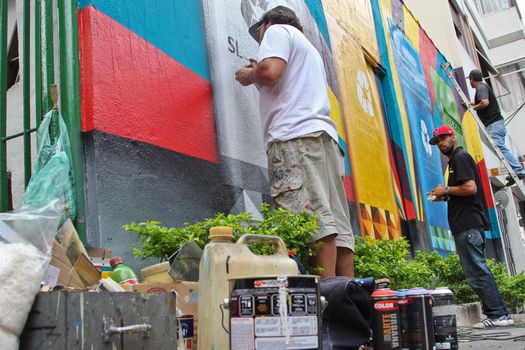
[(504, 338)]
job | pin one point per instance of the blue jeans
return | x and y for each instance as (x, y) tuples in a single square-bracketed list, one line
[(497, 132), (470, 246)]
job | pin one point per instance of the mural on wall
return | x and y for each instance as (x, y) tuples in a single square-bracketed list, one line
[(236, 107), (426, 99), (363, 118), (427, 159), (154, 130), (147, 119)]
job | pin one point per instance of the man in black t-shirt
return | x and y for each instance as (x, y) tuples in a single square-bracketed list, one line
[(486, 105), (468, 217)]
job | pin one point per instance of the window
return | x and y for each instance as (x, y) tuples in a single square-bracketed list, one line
[(488, 6), (464, 33)]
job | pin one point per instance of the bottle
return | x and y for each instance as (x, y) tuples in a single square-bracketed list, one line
[(224, 260), (122, 273)]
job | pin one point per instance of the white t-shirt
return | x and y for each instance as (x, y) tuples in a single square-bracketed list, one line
[(298, 103)]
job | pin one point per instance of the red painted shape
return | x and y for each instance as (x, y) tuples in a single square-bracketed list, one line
[(428, 54), (349, 188), (485, 182), (132, 89)]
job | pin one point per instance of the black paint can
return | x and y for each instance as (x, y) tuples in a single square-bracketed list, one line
[(403, 318), (385, 320), (444, 317), (420, 324)]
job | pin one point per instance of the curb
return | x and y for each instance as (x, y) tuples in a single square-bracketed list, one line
[(470, 313)]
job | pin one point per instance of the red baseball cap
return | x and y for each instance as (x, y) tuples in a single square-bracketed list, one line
[(442, 130)]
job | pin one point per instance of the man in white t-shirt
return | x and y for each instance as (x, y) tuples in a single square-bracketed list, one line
[(305, 162)]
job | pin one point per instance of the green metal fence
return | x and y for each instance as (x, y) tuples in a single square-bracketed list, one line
[(69, 87)]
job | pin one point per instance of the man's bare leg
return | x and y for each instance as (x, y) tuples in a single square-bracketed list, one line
[(345, 262), (326, 256)]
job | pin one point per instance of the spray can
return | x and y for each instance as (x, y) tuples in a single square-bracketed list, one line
[(444, 317), (403, 318), (420, 325), (385, 320)]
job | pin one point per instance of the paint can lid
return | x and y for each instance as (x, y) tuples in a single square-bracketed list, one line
[(442, 291), (418, 291), (384, 292)]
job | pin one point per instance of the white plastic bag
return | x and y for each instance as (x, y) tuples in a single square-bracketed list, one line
[(26, 239)]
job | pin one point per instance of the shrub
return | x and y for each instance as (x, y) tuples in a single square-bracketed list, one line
[(160, 242)]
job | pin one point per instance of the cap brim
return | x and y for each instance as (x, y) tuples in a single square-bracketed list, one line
[(433, 140), (254, 32)]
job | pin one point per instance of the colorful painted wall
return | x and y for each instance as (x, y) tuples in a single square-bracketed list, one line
[(169, 134)]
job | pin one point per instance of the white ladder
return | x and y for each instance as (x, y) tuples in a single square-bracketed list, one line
[(520, 188)]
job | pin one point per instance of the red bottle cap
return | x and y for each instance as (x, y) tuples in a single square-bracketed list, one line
[(116, 260)]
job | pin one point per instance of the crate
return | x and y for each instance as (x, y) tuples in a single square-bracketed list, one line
[(88, 320)]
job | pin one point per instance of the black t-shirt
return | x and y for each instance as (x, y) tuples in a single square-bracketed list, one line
[(465, 212), (492, 113)]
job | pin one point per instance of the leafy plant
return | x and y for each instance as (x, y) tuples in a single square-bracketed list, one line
[(160, 242), (390, 258)]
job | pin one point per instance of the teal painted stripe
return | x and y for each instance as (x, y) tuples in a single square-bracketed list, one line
[(317, 12), (175, 27)]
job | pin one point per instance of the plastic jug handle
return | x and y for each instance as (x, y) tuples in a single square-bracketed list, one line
[(277, 242)]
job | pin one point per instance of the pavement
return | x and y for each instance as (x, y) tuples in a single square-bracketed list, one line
[(504, 338)]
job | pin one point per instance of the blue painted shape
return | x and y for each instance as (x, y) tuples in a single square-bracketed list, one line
[(427, 158), (317, 12), (344, 147), (175, 27), (494, 232), (388, 90)]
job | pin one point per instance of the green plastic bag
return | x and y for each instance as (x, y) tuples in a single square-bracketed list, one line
[(52, 176)]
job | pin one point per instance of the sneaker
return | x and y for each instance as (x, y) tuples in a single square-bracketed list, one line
[(501, 321)]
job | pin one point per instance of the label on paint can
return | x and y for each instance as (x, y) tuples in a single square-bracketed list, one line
[(308, 342), (298, 325), (385, 320), (242, 333)]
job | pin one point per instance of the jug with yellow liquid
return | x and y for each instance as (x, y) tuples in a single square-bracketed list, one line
[(224, 259)]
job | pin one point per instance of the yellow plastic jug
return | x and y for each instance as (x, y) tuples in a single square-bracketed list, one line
[(222, 260)]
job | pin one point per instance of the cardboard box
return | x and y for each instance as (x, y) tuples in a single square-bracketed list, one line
[(187, 293), (79, 275), (67, 236)]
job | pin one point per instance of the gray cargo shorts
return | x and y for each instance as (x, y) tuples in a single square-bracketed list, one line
[(307, 173)]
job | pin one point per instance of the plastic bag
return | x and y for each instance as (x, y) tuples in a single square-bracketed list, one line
[(52, 176), (26, 239)]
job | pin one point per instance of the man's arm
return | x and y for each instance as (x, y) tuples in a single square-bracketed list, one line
[(266, 73), (482, 93), (484, 103), (467, 188)]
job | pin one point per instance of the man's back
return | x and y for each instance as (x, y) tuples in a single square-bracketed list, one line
[(491, 113), (298, 103)]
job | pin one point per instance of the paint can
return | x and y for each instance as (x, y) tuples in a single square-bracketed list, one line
[(385, 320), (269, 313), (185, 329), (420, 325), (403, 319), (444, 317)]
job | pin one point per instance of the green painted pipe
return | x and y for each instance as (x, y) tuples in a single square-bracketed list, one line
[(3, 106), (70, 99), (38, 64), (47, 57), (26, 97)]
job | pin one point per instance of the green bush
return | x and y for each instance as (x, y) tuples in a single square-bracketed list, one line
[(160, 242), (391, 258)]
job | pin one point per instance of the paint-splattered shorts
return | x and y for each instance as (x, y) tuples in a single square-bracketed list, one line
[(307, 173)]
